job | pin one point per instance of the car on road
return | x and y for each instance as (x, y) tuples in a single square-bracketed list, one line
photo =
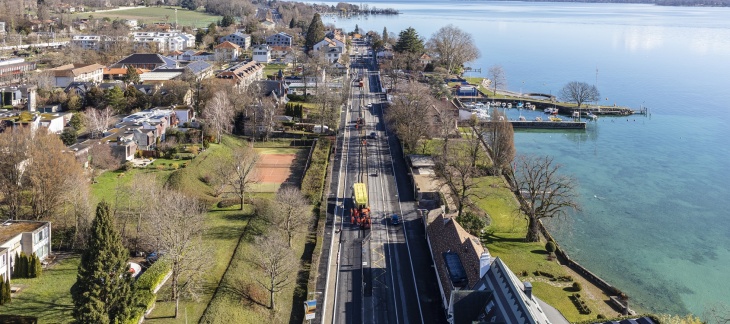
[(373, 135), (370, 105), (394, 219)]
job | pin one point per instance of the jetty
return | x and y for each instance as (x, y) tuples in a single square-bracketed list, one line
[(527, 124)]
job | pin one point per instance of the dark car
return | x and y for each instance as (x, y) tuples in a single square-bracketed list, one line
[(394, 219), (373, 135)]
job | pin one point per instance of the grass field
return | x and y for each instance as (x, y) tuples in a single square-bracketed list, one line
[(150, 15), (47, 297), (505, 239), (272, 69)]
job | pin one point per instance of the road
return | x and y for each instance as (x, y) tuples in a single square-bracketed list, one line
[(385, 274)]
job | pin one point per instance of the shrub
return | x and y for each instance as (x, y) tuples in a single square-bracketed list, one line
[(153, 276), (127, 166), (314, 178), (225, 203), (600, 316), (550, 246), (577, 286), (175, 166)]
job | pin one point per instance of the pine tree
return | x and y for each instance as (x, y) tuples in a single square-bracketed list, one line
[(315, 32), (8, 297), (357, 29), (2, 290), (385, 35), (103, 290), (31, 266), (409, 41), (292, 23), (132, 75)]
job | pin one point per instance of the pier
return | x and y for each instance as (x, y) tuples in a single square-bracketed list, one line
[(519, 124)]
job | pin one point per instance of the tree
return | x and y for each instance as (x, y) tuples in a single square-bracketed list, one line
[(97, 121), (499, 138), (545, 192), (453, 46), (471, 222), (132, 74), (103, 292), (243, 168), (291, 212), (315, 32), (115, 98), (188, 4), (579, 92), (458, 171), (406, 116), (292, 23), (101, 159), (357, 29), (277, 263), (74, 102), (227, 20), (385, 35), (4, 290), (497, 78), (179, 223), (77, 121), (409, 42), (69, 136), (219, 114)]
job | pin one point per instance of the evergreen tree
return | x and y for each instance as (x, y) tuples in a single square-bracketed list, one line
[(385, 35), (188, 4), (315, 32), (292, 23), (227, 21), (2, 291), (132, 75), (115, 98), (69, 136), (357, 29), (103, 290), (77, 121), (409, 41), (8, 297)]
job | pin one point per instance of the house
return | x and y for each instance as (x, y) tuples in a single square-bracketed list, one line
[(18, 236), (227, 52), (279, 53), (192, 55), (425, 59), (279, 39), (238, 38), (200, 69), (261, 53), (161, 75), (182, 115), (87, 42), (65, 74), (476, 287), (273, 90), (119, 73), (147, 62), (14, 70), (164, 41), (385, 53), (19, 95), (332, 54), (2, 28), (243, 73), (55, 122)]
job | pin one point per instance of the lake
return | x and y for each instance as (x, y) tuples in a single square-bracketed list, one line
[(654, 190)]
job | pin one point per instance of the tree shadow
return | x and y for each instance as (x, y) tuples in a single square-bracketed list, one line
[(300, 291), (496, 238), (543, 252), (242, 291)]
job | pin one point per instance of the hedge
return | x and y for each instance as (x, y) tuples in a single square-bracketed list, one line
[(144, 285), (313, 181)]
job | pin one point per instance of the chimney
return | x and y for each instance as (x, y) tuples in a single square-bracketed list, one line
[(528, 289), (484, 264)]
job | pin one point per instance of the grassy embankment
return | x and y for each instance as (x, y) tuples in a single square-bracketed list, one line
[(150, 15)]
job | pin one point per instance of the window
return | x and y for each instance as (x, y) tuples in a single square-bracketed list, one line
[(2, 260)]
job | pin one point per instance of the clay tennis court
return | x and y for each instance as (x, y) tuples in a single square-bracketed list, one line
[(274, 167), (277, 166)]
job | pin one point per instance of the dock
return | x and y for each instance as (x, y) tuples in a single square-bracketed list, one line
[(517, 124)]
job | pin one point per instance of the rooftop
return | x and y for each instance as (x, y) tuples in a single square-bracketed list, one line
[(10, 229)]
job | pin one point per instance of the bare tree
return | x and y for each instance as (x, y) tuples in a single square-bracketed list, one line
[(291, 212), (179, 224), (457, 170), (14, 145), (241, 171), (407, 114), (98, 120), (499, 137), (278, 263), (497, 78), (579, 92), (101, 159), (546, 193), (219, 114), (453, 46)]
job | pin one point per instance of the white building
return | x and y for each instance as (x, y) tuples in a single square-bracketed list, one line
[(165, 41), (238, 38), (96, 42), (22, 236), (280, 39), (66, 74), (261, 53)]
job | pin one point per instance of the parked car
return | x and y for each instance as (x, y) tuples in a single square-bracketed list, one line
[(373, 135)]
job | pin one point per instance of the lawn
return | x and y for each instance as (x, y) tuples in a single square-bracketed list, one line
[(505, 239), (150, 15), (272, 69), (47, 297)]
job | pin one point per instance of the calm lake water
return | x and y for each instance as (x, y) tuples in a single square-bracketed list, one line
[(654, 190)]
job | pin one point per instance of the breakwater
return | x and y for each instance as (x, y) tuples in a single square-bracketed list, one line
[(547, 124)]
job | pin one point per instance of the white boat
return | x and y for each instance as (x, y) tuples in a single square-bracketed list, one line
[(592, 116), (538, 118), (522, 118), (551, 110), (509, 105)]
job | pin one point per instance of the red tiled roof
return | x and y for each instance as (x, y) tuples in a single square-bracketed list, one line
[(227, 45)]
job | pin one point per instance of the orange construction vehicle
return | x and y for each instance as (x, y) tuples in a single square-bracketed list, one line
[(360, 214)]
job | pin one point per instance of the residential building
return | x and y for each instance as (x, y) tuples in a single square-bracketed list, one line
[(119, 73), (238, 38), (146, 61), (14, 70), (332, 54), (15, 96), (476, 287), (425, 59), (55, 122), (243, 73), (227, 52), (267, 25), (65, 74), (280, 53), (2, 28), (200, 69), (18, 236), (161, 75), (279, 39), (261, 53), (164, 41), (192, 55), (96, 42)]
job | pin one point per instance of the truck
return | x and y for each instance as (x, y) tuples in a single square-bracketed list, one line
[(360, 213), (362, 83)]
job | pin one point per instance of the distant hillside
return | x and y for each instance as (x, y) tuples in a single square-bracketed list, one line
[(678, 3)]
